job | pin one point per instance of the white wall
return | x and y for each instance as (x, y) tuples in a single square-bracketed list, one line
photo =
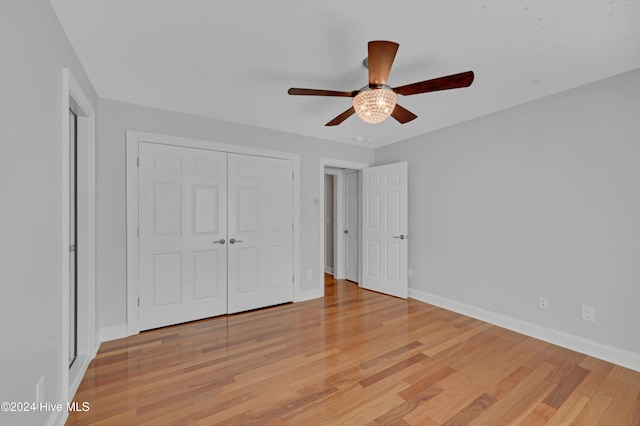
[(117, 117), (539, 200), (34, 51)]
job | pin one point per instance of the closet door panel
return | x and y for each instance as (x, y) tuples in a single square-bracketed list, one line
[(182, 220), (260, 232)]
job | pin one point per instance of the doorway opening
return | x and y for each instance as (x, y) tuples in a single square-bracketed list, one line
[(342, 223), (383, 252), (339, 212)]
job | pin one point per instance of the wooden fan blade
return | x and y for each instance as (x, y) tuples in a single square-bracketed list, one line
[(317, 92), (339, 119), (403, 115), (381, 56), (454, 81)]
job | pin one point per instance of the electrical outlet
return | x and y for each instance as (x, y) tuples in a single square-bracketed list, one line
[(309, 274), (588, 313), (410, 273), (543, 303), (40, 391)]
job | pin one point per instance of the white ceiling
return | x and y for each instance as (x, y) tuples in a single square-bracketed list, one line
[(234, 60)]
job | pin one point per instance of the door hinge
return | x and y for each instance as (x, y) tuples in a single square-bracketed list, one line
[(293, 176), (138, 301), (138, 232), (72, 248), (293, 278), (138, 162)]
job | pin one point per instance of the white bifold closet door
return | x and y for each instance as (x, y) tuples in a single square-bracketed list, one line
[(192, 202)]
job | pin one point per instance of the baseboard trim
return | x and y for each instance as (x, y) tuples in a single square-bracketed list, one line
[(113, 333), (588, 347), (83, 365), (58, 418), (308, 295)]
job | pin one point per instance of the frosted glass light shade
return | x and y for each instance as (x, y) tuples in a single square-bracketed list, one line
[(374, 105)]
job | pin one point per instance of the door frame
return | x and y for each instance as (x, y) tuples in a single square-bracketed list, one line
[(87, 339), (133, 138), (341, 164)]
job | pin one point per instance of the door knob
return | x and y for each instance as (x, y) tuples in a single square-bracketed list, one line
[(346, 231), (220, 241), (402, 237), (233, 241)]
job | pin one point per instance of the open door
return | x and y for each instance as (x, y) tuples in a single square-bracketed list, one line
[(384, 229)]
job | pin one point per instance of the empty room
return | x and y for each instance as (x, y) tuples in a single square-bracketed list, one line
[(303, 213)]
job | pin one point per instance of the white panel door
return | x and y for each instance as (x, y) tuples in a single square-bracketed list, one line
[(351, 226), (260, 232), (182, 234), (384, 229)]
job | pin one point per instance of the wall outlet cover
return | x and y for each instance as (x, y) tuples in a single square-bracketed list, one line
[(543, 303), (588, 313)]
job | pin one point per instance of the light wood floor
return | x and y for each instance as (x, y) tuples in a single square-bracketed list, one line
[(354, 357)]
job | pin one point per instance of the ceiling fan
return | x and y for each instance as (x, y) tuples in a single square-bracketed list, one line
[(377, 101)]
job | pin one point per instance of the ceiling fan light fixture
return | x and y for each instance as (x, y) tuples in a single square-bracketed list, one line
[(375, 105)]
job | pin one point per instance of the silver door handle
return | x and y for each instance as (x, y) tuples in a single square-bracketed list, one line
[(233, 241), (402, 237), (220, 241)]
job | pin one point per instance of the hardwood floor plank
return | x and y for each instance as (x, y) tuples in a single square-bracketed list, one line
[(391, 354), (410, 405), (471, 411), (456, 338), (374, 378), (518, 403), (360, 414), (562, 391), (505, 385), (353, 357), (472, 378), (621, 409), (569, 410), (593, 410), (540, 415)]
